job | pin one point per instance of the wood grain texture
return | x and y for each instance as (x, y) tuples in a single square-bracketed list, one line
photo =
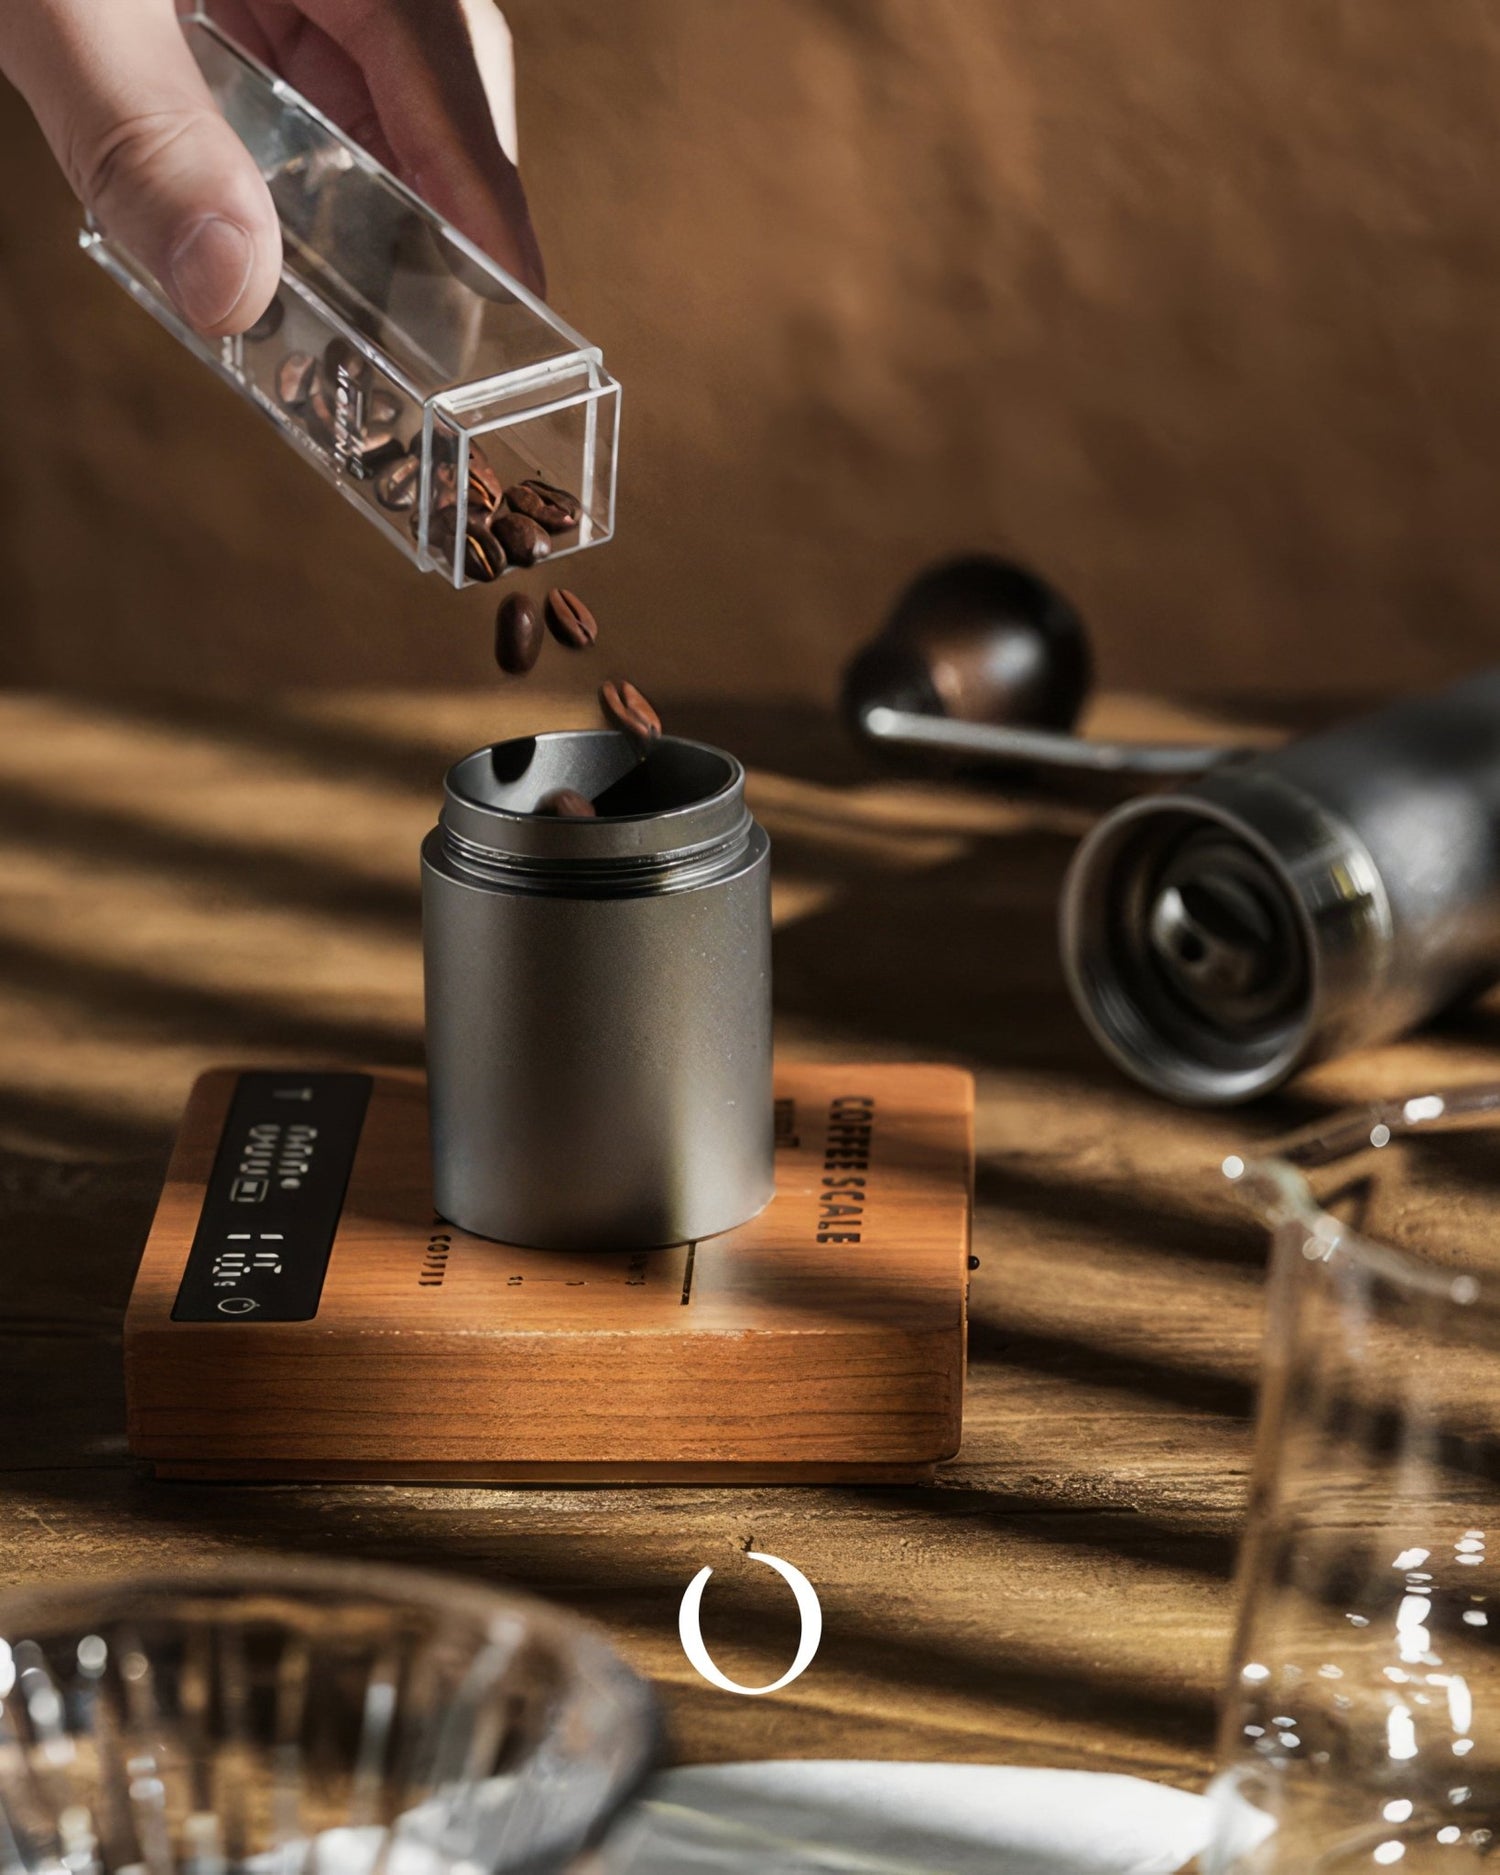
[(180, 888), (754, 1353)]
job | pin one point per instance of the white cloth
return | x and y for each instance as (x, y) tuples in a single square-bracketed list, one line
[(796, 1818)]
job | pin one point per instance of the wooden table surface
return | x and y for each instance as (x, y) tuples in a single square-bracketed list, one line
[(187, 885)]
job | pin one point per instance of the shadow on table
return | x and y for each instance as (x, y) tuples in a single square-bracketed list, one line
[(342, 751), (121, 996), (794, 739), (1197, 1222), (803, 741), (1076, 1358), (260, 870), (1292, 715), (958, 960), (635, 1586)]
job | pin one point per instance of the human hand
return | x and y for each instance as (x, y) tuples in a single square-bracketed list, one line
[(424, 85)]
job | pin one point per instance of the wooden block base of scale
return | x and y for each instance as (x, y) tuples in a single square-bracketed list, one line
[(301, 1312)]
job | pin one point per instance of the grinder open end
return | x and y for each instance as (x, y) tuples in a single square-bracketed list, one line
[(1332, 893), (1215, 938)]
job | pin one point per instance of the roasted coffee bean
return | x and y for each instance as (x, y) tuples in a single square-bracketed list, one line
[(484, 484), (340, 395), (524, 499), (383, 407), (569, 620), (333, 419), (567, 804), (295, 376), (628, 711), (571, 506), (375, 450), (484, 558), (524, 542), (445, 489), (396, 487), (268, 324), (518, 634), (444, 448), (319, 413), (341, 360)]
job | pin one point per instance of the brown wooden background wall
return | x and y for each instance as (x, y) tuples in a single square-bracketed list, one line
[(1195, 305)]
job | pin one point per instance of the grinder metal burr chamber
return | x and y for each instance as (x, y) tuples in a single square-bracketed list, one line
[(1333, 893), (598, 996)]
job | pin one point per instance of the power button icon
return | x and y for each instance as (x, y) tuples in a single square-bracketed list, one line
[(238, 1305)]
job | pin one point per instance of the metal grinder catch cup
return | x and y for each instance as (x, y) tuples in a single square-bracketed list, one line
[(1289, 906), (598, 996)]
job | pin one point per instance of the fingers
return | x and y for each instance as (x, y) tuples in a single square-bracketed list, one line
[(237, 20), (495, 61), (319, 68), (133, 125), (422, 63)]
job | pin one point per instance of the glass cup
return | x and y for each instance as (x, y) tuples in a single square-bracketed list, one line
[(304, 1718), (1362, 1725)]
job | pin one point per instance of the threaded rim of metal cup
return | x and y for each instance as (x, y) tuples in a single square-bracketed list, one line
[(687, 802)]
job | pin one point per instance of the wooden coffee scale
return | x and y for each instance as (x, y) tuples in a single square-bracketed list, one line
[(301, 1312)]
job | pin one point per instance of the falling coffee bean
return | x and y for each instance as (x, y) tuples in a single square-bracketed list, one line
[(396, 487), (268, 324), (628, 711), (524, 542), (295, 376), (567, 804), (527, 500), (559, 498), (569, 620), (518, 635)]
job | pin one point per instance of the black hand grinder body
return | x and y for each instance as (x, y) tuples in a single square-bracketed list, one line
[(1264, 911)]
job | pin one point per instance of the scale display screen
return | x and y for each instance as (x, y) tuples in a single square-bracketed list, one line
[(274, 1196)]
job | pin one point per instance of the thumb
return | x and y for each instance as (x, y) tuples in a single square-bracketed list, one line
[(137, 134)]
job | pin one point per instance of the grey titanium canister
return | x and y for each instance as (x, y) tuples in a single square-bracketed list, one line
[(1290, 906), (598, 996)]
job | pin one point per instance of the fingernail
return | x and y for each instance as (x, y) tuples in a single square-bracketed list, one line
[(210, 269)]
